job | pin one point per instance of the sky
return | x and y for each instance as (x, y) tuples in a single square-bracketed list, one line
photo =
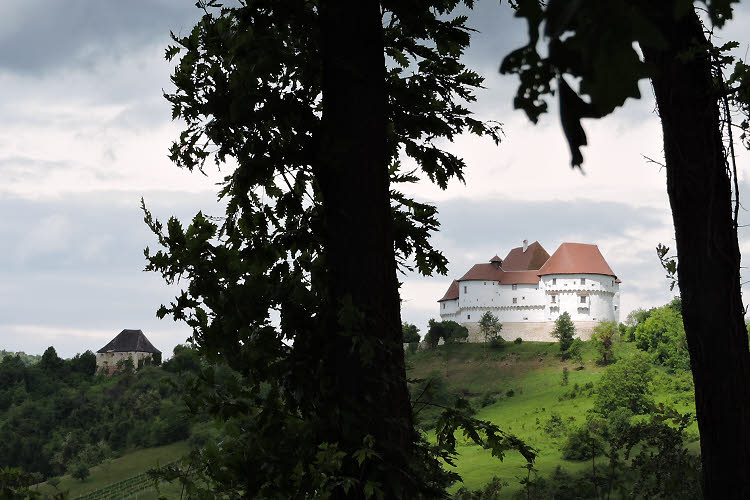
[(85, 132)]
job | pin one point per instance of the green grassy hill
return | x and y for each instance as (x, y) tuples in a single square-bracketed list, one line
[(525, 380), (119, 469)]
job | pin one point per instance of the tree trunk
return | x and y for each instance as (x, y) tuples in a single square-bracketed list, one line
[(362, 350), (708, 253)]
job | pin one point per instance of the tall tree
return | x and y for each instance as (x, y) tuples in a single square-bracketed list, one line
[(693, 99), (300, 96)]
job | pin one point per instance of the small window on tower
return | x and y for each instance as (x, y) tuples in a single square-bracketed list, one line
[(464, 289), (583, 299), (443, 305), (554, 299), (515, 287), (554, 281), (515, 300), (468, 316), (583, 281), (485, 282)]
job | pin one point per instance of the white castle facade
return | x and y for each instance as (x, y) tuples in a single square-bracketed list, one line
[(529, 289)]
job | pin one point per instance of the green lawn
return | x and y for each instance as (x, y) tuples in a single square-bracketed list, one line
[(534, 373), (119, 469)]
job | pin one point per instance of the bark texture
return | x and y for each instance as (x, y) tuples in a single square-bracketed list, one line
[(708, 254), (364, 355)]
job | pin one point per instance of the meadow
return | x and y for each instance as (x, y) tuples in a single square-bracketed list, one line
[(525, 382)]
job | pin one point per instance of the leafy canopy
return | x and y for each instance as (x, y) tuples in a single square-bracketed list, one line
[(248, 89)]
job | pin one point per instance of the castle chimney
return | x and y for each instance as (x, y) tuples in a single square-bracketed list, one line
[(525, 245)]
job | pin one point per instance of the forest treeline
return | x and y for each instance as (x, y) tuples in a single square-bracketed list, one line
[(59, 416)]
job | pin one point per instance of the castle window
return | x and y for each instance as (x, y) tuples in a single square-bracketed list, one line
[(464, 289), (485, 282), (615, 308), (554, 299), (515, 287), (583, 281), (443, 305), (583, 299), (468, 316), (554, 281), (515, 300), (523, 298)]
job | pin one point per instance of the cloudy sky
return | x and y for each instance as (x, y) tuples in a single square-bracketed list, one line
[(85, 131)]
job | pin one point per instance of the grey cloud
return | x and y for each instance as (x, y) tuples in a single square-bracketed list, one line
[(49, 35), (76, 264)]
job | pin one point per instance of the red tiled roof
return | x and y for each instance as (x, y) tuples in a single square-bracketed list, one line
[(496, 259), (452, 292), (533, 258), (479, 272), (487, 272), (576, 258)]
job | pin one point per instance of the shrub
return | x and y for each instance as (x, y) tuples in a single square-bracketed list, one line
[(554, 426), (564, 331), (518, 340), (487, 399), (410, 333), (490, 327), (80, 471), (449, 331), (626, 384), (497, 343), (564, 380), (582, 444), (604, 336), (510, 393)]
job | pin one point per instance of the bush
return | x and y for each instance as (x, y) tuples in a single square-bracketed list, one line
[(412, 348), (449, 331), (497, 342), (555, 426), (518, 340), (490, 327), (564, 380), (663, 335), (491, 491), (487, 399), (581, 444), (80, 471), (410, 333), (626, 384), (604, 337), (564, 331), (510, 393)]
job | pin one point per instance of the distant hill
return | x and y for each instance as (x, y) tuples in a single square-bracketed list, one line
[(27, 359)]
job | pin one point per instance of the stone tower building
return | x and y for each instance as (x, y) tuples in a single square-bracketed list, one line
[(129, 344)]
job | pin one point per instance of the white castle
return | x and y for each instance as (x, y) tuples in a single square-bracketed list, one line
[(528, 290)]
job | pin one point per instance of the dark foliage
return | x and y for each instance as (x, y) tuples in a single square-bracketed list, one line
[(58, 413)]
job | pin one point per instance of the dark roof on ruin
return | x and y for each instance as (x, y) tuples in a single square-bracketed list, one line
[(129, 341), (533, 258)]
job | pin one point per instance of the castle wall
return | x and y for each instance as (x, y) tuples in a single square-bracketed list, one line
[(106, 362), (528, 311), (537, 331)]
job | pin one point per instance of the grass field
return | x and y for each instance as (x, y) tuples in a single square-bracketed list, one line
[(534, 373), (122, 468)]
